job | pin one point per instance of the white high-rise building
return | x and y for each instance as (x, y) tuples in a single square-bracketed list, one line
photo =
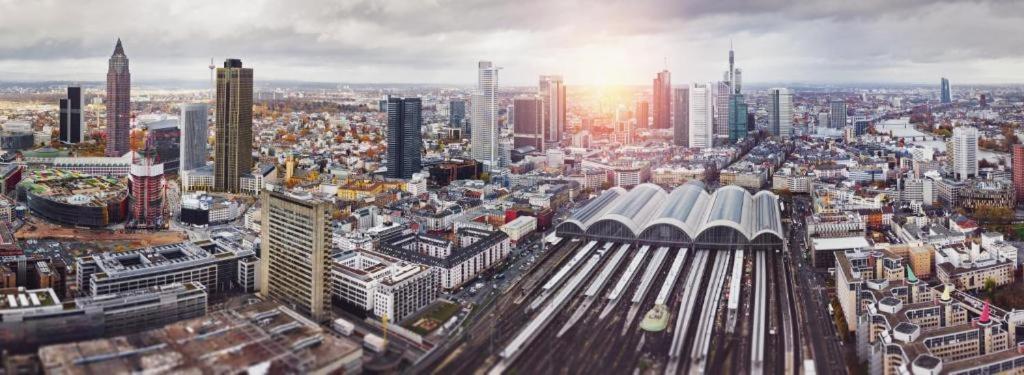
[(552, 94), (484, 137), (721, 91), (780, 112), (701, 115), (965, 152)]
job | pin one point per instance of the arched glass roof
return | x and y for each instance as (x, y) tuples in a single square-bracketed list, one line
[(688, 208)]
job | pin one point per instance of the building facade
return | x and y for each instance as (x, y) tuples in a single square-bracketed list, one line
[(405, 120), (780, 112), (528, 123), (295, 253), (233, 151), (662, 100), (701, 115), (195, 129), (119, 110), (72, 117), (484, 136), (552, 94), (681, 121)]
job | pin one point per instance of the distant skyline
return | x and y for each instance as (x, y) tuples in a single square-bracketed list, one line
[(588, 42)]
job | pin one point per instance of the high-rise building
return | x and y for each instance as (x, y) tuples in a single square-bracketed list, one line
[(119, 111), (484, 136), (662, 98), (1018, 171), (964, 152), (944, 94), (233, 150), (295, 261), (780, 112), (552, 94), (527, 125), (737, 118), (983, 101), (701, 115), (643, 115), (457, 113), (146, 190), (194, 134), (72, 119), (405, 143), (681, 133), (837, 114), (721, 91), (737, 81)]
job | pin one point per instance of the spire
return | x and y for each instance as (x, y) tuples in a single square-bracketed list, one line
[(118, 49), (985, 312)]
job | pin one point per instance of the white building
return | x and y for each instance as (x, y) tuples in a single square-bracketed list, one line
[(485, 115), (964, 152), (520, 227), (702, 115), (780, 112)]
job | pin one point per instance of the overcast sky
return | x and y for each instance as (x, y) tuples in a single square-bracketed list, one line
[(588, 41)]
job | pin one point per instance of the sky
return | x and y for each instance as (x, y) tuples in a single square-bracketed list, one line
[(589, 42)]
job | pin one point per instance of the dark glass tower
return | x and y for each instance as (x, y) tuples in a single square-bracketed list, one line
[(119, 111), (404, 139), (233, 151), (528, 124), (944, 94), (737, 118), (72, 124)]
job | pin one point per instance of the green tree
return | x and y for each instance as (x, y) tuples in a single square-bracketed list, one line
[(990, 287)]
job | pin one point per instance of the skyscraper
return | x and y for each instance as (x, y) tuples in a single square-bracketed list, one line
[(552, 94), (119, 111), (944, 95), (662, 98), (194, 133), (527, 126), (965, 152), (721, 91), (146, 190), (780, 112), (457, 113), (702, 115), (681, 132), (294, 253), (1018, 171), (837, 114), (72, 119), (737, 118), (643, 110), (233, 150), (405, 142), (484, 137)]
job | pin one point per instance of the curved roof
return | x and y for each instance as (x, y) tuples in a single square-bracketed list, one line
[(688, 207)]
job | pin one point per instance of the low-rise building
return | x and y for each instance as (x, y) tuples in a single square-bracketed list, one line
[(477, 251)]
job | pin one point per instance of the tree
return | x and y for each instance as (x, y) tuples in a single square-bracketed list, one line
[(990, 287)]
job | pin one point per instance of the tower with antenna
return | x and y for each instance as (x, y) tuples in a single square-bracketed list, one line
[(212, 67)]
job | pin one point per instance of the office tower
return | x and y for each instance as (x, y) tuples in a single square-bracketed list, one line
[(484, 122), (72, 119), (662, 99), (295, 252), (119, 111), (983, 101), (457, 113), (965, 152), (233, 150), (737, 118), (1018, 171), (837, 114), (527, 125), (944, 93), (681, 133), (194, 134), (552, 94), (405, 142), (780, 112), (146, 190), (721, 91), (643, 109), (702, 115)]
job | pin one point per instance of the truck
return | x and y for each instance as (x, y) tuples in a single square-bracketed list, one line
[(343, 326), (374, 343)]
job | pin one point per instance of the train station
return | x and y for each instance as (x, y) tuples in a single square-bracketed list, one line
[(687, 217)]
